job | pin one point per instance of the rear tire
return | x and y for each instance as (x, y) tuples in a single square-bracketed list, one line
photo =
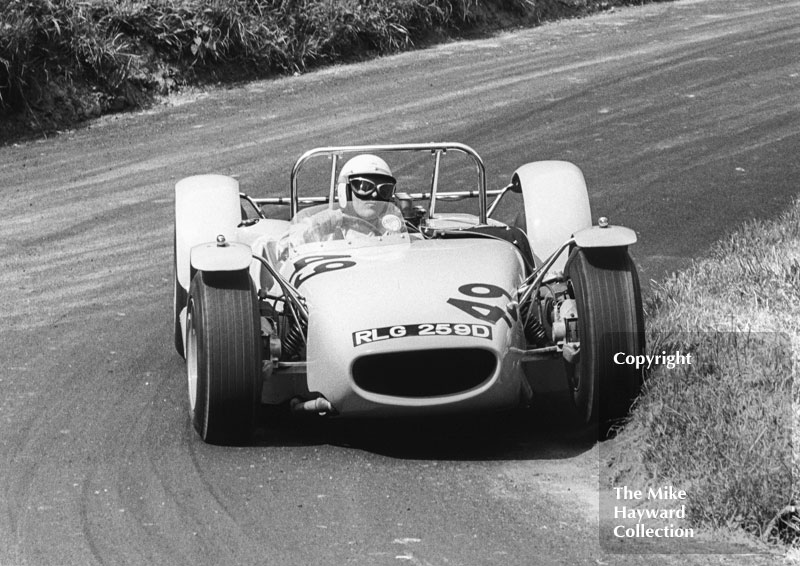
[(179, 301), (179, 297), (610, 320), (223, 356)]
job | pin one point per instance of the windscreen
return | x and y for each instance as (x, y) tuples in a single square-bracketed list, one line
[(332, 227)]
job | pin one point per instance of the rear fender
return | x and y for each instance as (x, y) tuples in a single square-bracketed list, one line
[(206, 206), (556, 205)]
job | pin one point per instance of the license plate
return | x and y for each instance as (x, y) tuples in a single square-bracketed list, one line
[(371, 335)]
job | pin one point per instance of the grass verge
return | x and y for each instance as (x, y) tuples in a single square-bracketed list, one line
[(66, 60), (723, 428)]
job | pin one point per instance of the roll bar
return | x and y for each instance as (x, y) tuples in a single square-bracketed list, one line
[(436, 148)]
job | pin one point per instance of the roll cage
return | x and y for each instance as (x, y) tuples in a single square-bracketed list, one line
[(436, 149)]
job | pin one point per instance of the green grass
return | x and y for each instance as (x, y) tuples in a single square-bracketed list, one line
[(64, 60), (722, 428)]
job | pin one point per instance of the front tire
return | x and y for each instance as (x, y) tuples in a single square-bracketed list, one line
[(610, 320), (223, 356)]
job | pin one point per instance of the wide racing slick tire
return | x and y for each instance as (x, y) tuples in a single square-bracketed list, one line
[(606, 288), (179, 297), (223, 356), (179, 300)]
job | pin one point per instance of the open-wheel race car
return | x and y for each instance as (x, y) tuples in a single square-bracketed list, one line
[(372, 302)]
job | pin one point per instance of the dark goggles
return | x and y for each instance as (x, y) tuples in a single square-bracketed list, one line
[(368, 189)]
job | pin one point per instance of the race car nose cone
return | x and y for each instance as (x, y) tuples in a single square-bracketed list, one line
[(603, 222)]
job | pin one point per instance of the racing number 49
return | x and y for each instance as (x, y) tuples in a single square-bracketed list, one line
[(480, 310)]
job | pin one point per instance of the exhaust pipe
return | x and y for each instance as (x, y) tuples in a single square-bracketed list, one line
[(319, 405)]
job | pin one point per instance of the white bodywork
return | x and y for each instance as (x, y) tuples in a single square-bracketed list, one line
[(206, 206), (556, 205), (353, 311)]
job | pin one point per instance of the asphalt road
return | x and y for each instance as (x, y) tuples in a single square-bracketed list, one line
[(685, 118)]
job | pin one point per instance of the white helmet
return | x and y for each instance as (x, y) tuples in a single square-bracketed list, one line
[(368, 176)]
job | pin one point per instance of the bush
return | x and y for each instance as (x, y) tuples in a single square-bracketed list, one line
[(108, 45), (79, 58)]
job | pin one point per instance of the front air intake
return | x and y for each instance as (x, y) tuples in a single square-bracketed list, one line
[(424, 373)]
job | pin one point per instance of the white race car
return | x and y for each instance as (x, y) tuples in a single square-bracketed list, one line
[(413, 311)]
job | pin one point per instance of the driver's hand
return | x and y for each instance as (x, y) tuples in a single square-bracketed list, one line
[(327, 221), (315, 228)]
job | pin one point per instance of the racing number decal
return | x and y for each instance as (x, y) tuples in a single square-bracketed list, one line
[(308, 267), (484, 311)]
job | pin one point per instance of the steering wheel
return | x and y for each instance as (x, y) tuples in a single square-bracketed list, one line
[(364, 224)]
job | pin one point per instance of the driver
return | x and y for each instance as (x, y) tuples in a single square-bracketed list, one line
[(364, 186), (366, 180)]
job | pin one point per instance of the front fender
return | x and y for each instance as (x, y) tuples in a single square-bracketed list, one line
[(213, 257)]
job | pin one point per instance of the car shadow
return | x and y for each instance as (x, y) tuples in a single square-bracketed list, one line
[(547, 430)]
